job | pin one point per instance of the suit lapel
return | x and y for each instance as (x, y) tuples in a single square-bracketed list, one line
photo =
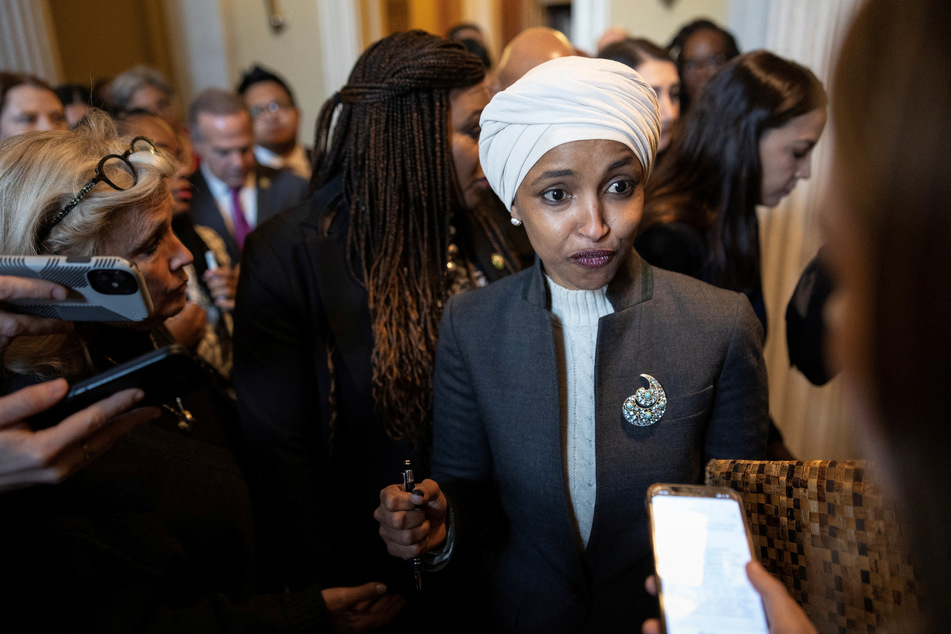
[(540, 429), (625, 350), (264, 181), (205, 212)]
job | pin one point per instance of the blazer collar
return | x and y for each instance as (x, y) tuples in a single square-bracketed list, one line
[(328, 196), (632, 284)]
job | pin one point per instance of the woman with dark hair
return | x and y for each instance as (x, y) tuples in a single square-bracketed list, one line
[(700, 48), (77, 101), (28, 104), (339, 303), (746, 143), (598, 376), (658, 69), (887, 227)]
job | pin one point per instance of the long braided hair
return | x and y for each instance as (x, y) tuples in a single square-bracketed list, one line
[(391, 144)]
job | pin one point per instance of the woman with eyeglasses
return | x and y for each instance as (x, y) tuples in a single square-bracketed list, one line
[(701, 48), (157, 533)]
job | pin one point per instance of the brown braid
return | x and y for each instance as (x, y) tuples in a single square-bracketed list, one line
[(391, 144)]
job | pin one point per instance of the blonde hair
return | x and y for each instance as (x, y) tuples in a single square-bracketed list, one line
[(40, 173)]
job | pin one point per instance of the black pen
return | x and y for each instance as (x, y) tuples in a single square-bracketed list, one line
[(409, 483)]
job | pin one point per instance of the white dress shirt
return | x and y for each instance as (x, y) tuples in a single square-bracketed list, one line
[(222, 193), (296, 161)]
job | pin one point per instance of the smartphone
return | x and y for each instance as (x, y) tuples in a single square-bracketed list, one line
[(701, 547), (100, 288), (163, 374)]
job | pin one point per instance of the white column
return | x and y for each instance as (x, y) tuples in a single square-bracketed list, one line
[(339, 41), (814, 421), (589, 20), (26, 42)]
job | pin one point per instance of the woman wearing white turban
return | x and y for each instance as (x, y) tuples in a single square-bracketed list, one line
[(562, 392)]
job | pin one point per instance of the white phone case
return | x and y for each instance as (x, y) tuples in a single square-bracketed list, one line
[(101, 288)]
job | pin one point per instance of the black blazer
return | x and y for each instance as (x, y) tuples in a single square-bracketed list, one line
[(277, 190), (300, 312)]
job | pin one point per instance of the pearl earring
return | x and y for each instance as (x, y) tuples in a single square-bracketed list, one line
[(516, 222)]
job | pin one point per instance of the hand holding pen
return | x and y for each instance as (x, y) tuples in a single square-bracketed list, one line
[(414, 522), (409, 486)]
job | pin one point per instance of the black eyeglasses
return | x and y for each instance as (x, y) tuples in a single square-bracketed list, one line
[(271, 107), (120, 160), (714, 61)]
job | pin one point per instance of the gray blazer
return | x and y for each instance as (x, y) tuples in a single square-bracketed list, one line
[(498, 446), (277, 191)]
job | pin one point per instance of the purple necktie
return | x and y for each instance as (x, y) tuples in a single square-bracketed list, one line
[(241, 226)]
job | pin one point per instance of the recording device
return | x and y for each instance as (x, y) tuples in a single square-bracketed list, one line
[(164, 374), (416, 563), (99, 288), (701, 548)]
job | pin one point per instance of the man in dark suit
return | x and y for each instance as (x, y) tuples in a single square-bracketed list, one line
[(233, 193)]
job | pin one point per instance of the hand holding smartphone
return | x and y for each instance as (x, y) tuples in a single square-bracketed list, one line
[(701, 548), (163, 374), (100, 288)]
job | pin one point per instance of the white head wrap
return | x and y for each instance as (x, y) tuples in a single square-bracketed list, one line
[(564, 100)]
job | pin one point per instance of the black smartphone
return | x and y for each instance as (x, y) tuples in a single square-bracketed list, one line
[(701, 547), (100, 288), (163, 374)]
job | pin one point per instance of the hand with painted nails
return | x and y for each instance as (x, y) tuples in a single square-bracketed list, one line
[(412, 523), (47, 456)]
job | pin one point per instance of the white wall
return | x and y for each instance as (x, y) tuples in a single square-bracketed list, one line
[(197, 45), (214, 41), (26, 45), (658, 21)]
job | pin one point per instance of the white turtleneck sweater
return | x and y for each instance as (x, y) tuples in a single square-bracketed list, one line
[(575, 316)]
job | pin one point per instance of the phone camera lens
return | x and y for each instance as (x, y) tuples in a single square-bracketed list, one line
[(112, 282)]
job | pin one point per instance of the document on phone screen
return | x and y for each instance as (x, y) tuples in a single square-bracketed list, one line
[(702, 550)]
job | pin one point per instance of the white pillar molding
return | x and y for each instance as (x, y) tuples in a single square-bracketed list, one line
[(589, 20), (26, 42), (339, 41), (814, 420), (197, 45)]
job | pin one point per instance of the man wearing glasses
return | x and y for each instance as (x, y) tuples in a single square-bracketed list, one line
[(271, 103), (233, 193)]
